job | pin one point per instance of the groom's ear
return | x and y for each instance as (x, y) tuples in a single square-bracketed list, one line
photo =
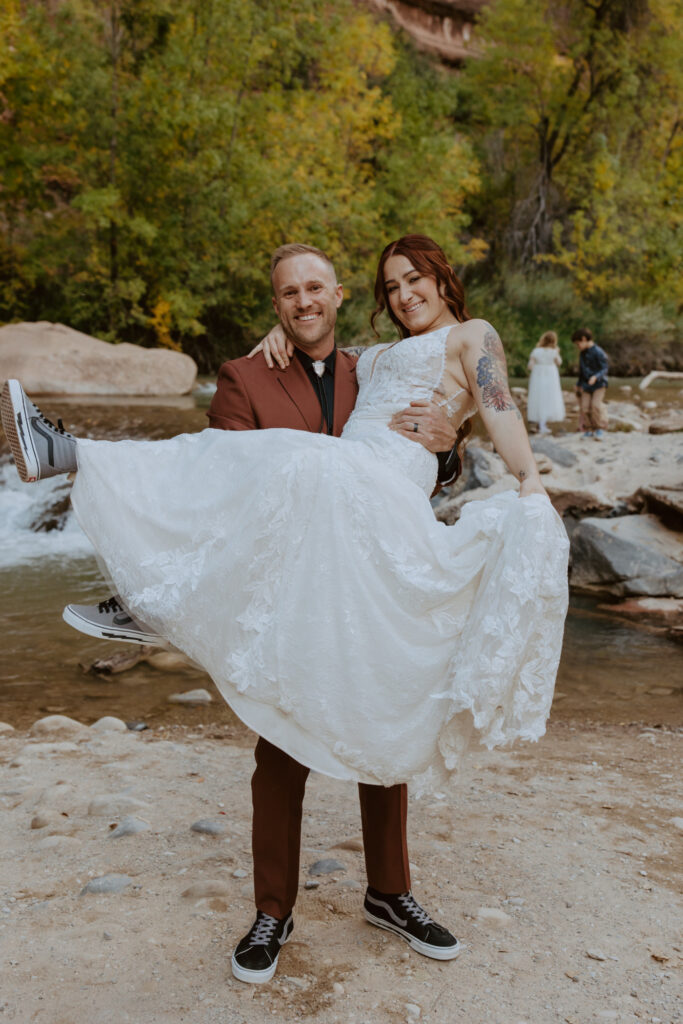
[(338, 295)]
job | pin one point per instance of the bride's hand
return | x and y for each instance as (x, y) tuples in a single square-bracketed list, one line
[(275, 346), (532, 485)]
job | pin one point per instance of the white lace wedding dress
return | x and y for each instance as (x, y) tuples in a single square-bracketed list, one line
[(308, 575)]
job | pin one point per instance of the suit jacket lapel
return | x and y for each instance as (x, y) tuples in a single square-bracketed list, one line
[(345, 391), (296, 385)]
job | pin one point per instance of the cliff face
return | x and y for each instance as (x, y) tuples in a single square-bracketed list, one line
[(442, 27)]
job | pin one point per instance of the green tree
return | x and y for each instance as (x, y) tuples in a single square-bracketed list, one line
[(574, 112), (153, 152)]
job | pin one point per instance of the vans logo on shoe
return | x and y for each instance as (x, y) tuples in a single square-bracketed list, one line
[(35, 423), (389, 910)]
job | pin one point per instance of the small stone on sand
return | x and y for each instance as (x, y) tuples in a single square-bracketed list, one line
[(325, 867), (41, 820), (107, 884), (129, 826), (190, 697), (208, 828), (109, 724), (57, 725)]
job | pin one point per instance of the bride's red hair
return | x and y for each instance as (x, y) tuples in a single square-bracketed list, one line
[(429, 258)]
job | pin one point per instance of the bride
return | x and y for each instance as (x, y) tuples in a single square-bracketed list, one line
[(307, 573)]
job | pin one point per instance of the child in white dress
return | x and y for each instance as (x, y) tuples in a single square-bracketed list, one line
[(546, 404)]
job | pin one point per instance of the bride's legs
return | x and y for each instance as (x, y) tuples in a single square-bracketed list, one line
[(40, 449)]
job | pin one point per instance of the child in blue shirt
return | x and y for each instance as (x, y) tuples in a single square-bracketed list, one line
[(592, 383)]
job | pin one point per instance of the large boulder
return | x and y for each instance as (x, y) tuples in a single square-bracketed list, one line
[(669, 423), (54, 359), (482, 468), (589, 501), (626, 416), (666, 503), (559, 454), (627, 555)]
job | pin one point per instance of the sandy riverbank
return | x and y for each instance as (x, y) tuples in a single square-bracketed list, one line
[(571, 839)]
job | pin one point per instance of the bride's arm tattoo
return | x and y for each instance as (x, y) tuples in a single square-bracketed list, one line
[(492, 375)]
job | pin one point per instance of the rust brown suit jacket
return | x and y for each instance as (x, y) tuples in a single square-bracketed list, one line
[(250, 396)]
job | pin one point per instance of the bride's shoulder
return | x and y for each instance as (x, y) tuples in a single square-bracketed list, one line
[(472, 334)]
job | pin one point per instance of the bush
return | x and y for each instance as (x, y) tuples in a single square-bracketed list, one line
[(641, 338)]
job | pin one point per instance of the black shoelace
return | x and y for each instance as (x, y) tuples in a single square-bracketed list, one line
[(111, 605), (59, 429)]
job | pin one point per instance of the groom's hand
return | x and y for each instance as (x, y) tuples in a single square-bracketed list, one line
[(434, 430)]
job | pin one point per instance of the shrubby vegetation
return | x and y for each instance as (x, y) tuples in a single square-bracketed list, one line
[(153, 152), (574, 112)]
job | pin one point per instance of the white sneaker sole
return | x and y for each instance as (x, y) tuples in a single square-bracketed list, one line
[(74, 619), (16, 426), (256, 977), (433, 952)]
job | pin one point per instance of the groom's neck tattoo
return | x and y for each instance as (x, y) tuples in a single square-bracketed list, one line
[(492, 375)]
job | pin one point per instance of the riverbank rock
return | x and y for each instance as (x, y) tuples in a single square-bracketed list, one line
[(585, 478), (61, 726), (671, 422), (666, 503), (581, 503), (554, 450), (627, 555), (54, 359), (626, 416), (482, 468), (658, 611)]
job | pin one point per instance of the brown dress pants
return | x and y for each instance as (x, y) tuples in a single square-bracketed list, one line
[(277, 788)]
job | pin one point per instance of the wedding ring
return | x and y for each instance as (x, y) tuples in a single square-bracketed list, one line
[(415, 428)]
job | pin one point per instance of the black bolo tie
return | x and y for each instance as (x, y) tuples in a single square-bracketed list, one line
[(319, 368)]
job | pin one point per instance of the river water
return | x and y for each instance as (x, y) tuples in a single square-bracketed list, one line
[(611, 671)]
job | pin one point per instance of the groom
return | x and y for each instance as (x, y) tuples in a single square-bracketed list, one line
[(316, 391)]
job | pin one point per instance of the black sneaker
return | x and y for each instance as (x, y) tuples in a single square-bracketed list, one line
[(40, 448), (109, 620), (403, 916), (255, 958)]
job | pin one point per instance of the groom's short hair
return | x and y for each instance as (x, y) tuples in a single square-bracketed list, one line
[(297, 249)]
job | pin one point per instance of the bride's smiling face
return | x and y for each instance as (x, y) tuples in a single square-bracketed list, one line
[(414, 297)]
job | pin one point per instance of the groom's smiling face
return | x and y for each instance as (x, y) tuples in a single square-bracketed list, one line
[(306, 297)]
